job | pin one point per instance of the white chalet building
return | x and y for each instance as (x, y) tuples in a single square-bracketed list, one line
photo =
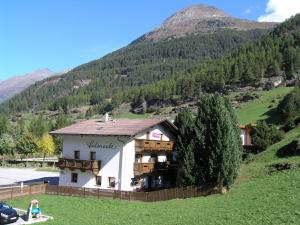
[(124, 154)]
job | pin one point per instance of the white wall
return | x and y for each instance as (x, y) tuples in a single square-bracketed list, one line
[(117, 161), (128, 158), (155, 133), (243, 136), (109, 157)]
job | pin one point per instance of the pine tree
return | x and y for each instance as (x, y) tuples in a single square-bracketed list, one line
[(218, 155), (184, 146)]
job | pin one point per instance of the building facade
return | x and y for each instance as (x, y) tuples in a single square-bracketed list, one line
[(129, 154), (246, 136)]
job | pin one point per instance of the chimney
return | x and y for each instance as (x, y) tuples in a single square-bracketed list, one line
[(105, 117)]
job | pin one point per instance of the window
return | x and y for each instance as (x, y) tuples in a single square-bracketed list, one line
[(93, 155), (76, 154), (98, 180), (74, 177), (111, 182)]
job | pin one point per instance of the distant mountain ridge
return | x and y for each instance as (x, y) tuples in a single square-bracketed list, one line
[(144, 61), (200, 19), (16, 84)]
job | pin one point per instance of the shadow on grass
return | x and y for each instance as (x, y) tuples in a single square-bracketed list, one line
[(291, 149), (273, 117)]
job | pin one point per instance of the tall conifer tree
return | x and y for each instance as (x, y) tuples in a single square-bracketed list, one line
[(184, 146)]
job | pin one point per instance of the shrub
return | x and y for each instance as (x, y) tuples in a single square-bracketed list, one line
[(264, 135), (289, 107)]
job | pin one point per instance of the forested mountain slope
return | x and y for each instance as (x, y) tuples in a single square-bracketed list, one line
[(277, 53), (140, 63)]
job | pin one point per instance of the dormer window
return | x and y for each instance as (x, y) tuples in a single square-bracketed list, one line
[(148, 135)]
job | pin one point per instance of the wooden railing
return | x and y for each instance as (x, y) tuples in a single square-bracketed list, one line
[(160, 195), (83, 165), (144, 168), (151, 145), (18, 192)]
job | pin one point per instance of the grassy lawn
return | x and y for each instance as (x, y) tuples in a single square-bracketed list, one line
[(270, 200), (250, 112)]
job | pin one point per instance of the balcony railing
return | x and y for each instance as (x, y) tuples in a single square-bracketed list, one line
[(83, 165), (145, 168), (151, 145)]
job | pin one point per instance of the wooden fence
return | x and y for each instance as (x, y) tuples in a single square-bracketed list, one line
[(159, 195), (153, 196), (17, 192)]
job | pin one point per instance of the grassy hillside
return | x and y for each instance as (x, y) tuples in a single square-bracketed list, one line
[(260, 109)]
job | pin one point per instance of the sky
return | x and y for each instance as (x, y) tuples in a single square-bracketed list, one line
[(60, 34)]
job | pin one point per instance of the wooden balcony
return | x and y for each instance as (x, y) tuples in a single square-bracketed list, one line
[(146, 168), (155, 146), (83, 165)]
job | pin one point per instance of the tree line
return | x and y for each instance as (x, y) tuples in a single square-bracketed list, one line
[(133, 66), (31, 136)]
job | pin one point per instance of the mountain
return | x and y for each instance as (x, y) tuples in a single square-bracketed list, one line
[(16, 84), (142, 62), (200, 19), (276, 55)]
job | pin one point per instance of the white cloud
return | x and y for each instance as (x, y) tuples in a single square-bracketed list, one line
[(280, 10), (247, 11)]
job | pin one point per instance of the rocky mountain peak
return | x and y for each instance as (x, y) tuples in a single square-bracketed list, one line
[(200, 19), (194, 13)]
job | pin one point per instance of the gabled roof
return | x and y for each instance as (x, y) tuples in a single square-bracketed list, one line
[(121, 127)]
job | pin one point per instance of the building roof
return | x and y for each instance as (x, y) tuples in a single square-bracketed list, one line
[(121, 127), (250, 125)]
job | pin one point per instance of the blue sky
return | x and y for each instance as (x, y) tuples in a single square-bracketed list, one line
[(60, 34)]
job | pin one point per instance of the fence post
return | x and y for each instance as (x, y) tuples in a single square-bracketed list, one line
[(46, 186), (84, 192), (11, 193), (98, 193), (57, 188), (29, 189)]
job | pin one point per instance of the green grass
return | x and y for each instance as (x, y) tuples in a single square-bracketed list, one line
[(258, 166), (270, 200), (250, 112), (130, 115)]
